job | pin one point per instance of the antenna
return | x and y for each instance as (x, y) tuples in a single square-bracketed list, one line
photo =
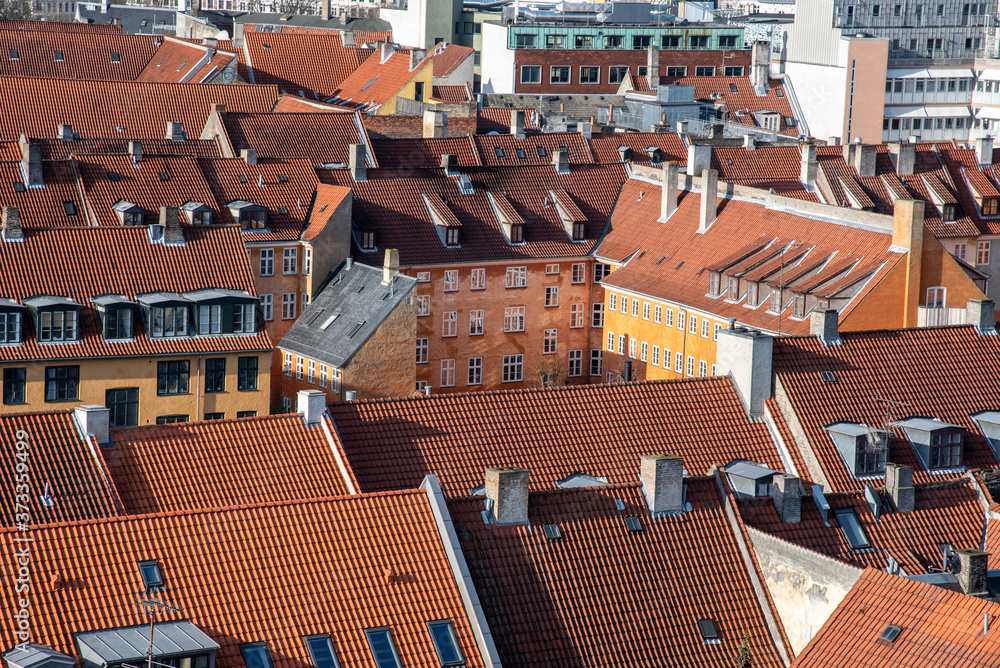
[(153, 607), (879, 440), (781, 279)]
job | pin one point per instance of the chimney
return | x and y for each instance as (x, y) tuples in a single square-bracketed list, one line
[(586, 129), (249, 155), (717, 132), (848, 150), (12, 224), (64, 132), (507, 491), (560, 160), (823, 323), (517, 123), (653, 67), (745, 355), (760, 68), (662, 479), (346, 37), (312, 405), (984, 151), (175, 131), (357, 163), (908, 236), (627, 371), (899, 486), (135, 150), (833, 141), (435, 124), (749, 142), (391, 265), (170, 223), (449, 163), (864, 159), (94, 421), (387, 49), (981, 313), (217, 108), (350, 395), (709, 201), (903, 156), (808, 166), (416, 57), (787, 498), (668, 192), (972, 565), (324, 15), (31, 162), (699, 159)]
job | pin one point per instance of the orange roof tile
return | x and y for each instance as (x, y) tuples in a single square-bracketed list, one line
[(57, 149), (744, 99), (671, 147), (288, 61), (374, 82), (447, 56), (599, 430), (322, 138), (537, 149), (938, 627), (328, 198), (497, 119), (412, 127), (288, 103), (766, 167), (44, 207), (425, 153), (602, 595), (61, 26), (177, 60), (452, 94), (110, 56)]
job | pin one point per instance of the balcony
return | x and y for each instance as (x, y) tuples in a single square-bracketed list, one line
[(935, 317)]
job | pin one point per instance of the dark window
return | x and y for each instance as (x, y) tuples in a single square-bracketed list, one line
[(247, 379), (171, 419), (946, 450), (734, 71), (516, 234), (704, 71), (118, 323), (853, 531), (152, 579), (617, 74), (418, 91), (57, 325), (253, 220), (520, 154), (215, 416), (10, 327), (124, 405), (677, 71), (321, 649), (670, 42), (641, 41), (584, 41), (172, 377), (59, 56), (215, 374), (367, 240), (524, 41), (445, 643), (255, 655), (69, 208), (13, 385), (382, 647), (451, 236), (62, 383), (531, 74), (115, 58), (601, 270), (699, 41), (246, 414), (541, 152), (708, 631), (559, 74), (727, 42), (499, 152), (868, 459), (579, 231), (590, 75)]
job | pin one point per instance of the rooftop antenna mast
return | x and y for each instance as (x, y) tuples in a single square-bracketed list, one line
[(153, 607), (888, 423), (781, 279)]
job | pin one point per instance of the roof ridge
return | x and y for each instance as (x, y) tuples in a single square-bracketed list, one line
[(887, 330), (177, 425)]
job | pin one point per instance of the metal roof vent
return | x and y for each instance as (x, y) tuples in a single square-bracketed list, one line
[(890, 634)]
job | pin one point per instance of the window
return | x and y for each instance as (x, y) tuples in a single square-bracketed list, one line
[(62, 383), (551, 269), (324, 375), (555, 41), (423, 277), (617, 74), (559, 74), (422, 351), (960, 251), (449, 323), (575, 316), (876, 10), (704, 71), (624, 303), (579, 273), (171, 419), (450, 280), (936, 297), (14, 381), (551, 296), (575, 363), (152, 578), (732, 71), (57, 325), (321, 650), (600, 271), (447, 373), (595, 361), (267, 262), (692, 324), (10, 327), (612, 41), (478, 279), (215, 375), (704, 328), (311, 372), (247, 374), (590, 75), (631, 348), (680, 320), (584, 41), (853, 531), (621, 344), (668, 318), (946, 450), (613, 301), (288, 306), (513, 368), (476, 318), (255, 655), (657, 313), (597, 315), (210, 319), (635, 307), (267, 306), (549, 341), (677, 71), (690, 366), (382, 647), (517, 277), (654, 358), (982, 257), (475, 371), (290, 261), (641, 41), (524, 41), (643, 351), (729, 42), (611, 342), (367, 240), (531, 74), (513, 319), (299, 367), (124, 405), (117, 323), (423, 305), (699, 42), (679, 362), (288, 364), (702, 368), (172, 377)]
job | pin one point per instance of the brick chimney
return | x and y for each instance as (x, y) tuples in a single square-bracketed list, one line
[(435, 124), (662, 479), (249, 155), (31, 162), (903, 156), (12, 224), (864, 159), (653, 66), (823, 323), (668, 192), (517, 123), (64, 132), (312, 405), (908, 236), (787, 499), (170, 223), (560, 160), (699, 159), (357, 157), (175, 131), (449, 163), (760, 67), (971, 573), (416, 57), (899, 486), (391, 265), (94, 421), (745, 355), (135, 150), (709, 199), (808, 166), (507, 491), (981, 313), (984, 151)]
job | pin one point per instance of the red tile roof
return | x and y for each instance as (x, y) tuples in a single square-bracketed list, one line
[(390, 202), (602, 595), (371, 36), (61, 26), (328, 198), (44, 207), (57, 149), (289, 61), (412, 127), (573, 142), (374, 82), (448, 56), (671, 146), (452, 94), (176, 61), (765, 167), (272, 573), (909, 366), (288, 103), (84, 55), (949, 513), (939, 627), (56, 456), (322, 138), (497, 119), (425, 153), (744, 99), (36, 106), (599, 430)]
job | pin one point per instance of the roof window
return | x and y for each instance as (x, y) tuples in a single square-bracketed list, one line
[(520, 154), (59, 56), (382, 647), (499, 152), (115, 58), (357, 327), (283, 210), (445, 643), (19, 187), (732, 88), (255, 655), (779, 93), (321, 652), (152, 579), (242, 178), (890, 633), (70, 209), (552, 531), (368, 85), (267, 47), (282, 178), (709, 634), (828, 376), (13, 55), (851, 526), (113, 176), (329, 321), (541, 151), (633, 524), (164, 176)]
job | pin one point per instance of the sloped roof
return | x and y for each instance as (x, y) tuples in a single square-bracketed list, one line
[(289, 103), (602, 595), (328, 198), (44, 207), (412, 127), (57, 149), (176, 59), (744, 99), (221, 463), (497, 119), (322, 138), (537, 149), (374, 82), (84, 55), (605, 147), (945, 372), (425, 153), (452, 94), (765, 167), (599, 430), (289, 61), (61, 26), (938, 627), (272, 573), (447, 56)]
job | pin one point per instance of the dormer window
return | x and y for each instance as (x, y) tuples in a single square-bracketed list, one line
[(991, 206), (56, 318), (579, 231), (946, 450), (799, 306), (250, 216), (197, 213), (128, 213), (734, 289), (862, 448), (10, 322), (937, 444), (752, 289), (367, 241), (714, 283), (516, 234), (118, 323), (451, 236), (167, 314), (775, 305), (948, 213), (224, 312)]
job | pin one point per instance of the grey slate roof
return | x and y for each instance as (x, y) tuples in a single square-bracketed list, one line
[(355, 295), (99, 648), (158, 20)]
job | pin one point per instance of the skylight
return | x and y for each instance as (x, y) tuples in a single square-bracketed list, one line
[(152, 579), (709, 634), (541, 151), (329, 321), (633, 524), (255, 655), (828, 376), (164, 176), (851, 526), (732, 88), (382, 647), (115, 58), (499, 152), (445, 643), (113, 176), (890, 633), (70, 209), (356, 328), (59, 56), (321, 652), (368, 85), (520, 154), (552, 531)]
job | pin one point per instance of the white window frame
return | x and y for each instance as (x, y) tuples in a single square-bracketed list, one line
[(576, 315), (513, 319), (550, 341), (475, 367), (290, 261), (551, 296), (267, 306), (477, 320), (517, 277), (575, 367), (579, 275), (423, 305), (449, 324), (423, 345), (477, 279), (448, 373), (267, 262), (451, 280), (289, 302)]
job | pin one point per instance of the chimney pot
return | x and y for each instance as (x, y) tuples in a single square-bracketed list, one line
[(787, 498), (899, 486), (668, 193), (435, 124), (171, 225), (64, 132), (175, 131), (972, 569), (358, 156), (709, 199), (312, 405), (808, 166), (517, 123), (12, 224), (662, 479), (391, 265), (824, 324), (249, 155), (94, 421), (981, 313), (507, 490)]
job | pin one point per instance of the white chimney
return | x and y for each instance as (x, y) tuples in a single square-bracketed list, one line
[(94, 421), (175, 131), (709, 199), (699, 159), (745, 355), (312, 405), (249, 155), (899, 486), (823, 322), (391, 266), (668, 193), (981, 313), (517, 123), (507, 491), (984, 151), (357, 156)]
